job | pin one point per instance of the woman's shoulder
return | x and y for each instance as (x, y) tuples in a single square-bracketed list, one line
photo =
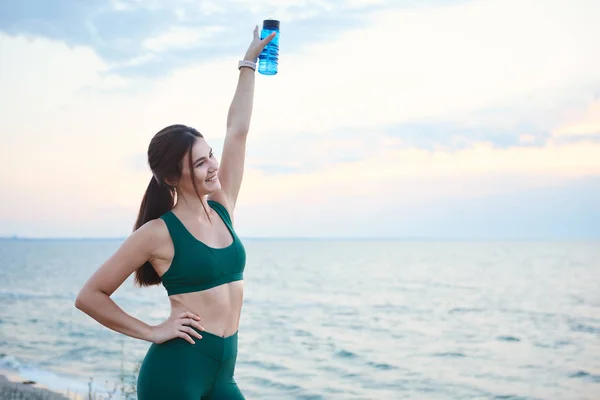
[(154, 231)]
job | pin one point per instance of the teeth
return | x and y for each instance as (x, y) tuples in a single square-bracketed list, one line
[(212, 179)]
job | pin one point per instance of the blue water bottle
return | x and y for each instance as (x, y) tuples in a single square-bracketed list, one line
[(269, 57)]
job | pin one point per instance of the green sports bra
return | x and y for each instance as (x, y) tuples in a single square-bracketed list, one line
[(197, 266)]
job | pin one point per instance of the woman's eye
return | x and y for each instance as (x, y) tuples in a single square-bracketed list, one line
[(202, 162)]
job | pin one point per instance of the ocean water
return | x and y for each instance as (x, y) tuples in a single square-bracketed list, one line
[(345, 319)]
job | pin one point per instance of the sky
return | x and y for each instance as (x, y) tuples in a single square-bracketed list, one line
[(404, 119)]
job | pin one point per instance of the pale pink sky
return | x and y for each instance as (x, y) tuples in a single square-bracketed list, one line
[(335, 122)]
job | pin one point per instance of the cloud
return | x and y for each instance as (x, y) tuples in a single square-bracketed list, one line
[(585, 123), (441, 62), (275, 169), (452, 135), (183, 37), (39, 76), (412, 107), (565, 210), (124, 32), (61, 19), (414, 175)]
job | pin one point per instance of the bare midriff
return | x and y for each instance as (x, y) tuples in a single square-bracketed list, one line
[(219, 307)]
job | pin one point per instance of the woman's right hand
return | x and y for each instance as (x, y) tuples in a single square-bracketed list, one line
[(177, 327)]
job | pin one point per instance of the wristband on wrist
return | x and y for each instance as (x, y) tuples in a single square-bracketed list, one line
[(247, 63)]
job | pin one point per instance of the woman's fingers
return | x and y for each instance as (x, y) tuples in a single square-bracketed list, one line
[(197, 325), (267, 39), (190, 331), (186, 321), (190, 322), (188, 314), (270, 37), (185, 336)]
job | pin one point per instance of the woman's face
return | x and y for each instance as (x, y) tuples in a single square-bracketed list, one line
[(204, 165)]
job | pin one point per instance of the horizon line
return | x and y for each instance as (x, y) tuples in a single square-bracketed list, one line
[(349, 238)]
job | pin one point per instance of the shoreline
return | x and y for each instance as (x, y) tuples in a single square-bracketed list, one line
[(14, 386)]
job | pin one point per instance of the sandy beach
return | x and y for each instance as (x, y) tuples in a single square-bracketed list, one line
[(14, 387)]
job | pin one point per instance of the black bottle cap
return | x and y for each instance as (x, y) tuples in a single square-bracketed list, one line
[(270, 24)]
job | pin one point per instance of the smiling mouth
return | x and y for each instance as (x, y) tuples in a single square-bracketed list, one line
[(214, 178)]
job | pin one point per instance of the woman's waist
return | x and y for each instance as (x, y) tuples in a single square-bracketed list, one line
[(219, 347), (221, 319)]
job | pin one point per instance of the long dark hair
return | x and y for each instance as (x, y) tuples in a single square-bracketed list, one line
[(165, 155)]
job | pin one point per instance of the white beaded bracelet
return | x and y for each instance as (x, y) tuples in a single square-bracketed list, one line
[(247, 63)]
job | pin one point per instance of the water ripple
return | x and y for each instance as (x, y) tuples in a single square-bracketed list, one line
[(450, 354), (508, 339), (428, 320), (586, 375), (580, 327)]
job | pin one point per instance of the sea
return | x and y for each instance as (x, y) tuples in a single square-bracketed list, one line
[(334, 319)]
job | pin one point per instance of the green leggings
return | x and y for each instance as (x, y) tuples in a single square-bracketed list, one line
[(180, 370)]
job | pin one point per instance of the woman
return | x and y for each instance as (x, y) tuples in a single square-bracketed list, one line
[(184, 239)]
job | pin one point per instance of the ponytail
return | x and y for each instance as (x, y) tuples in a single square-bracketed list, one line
[(158, 199)]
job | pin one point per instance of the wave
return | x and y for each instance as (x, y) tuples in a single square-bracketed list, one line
[(47, 378)]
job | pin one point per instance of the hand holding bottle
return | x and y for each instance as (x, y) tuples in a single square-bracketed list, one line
[(257, 45)]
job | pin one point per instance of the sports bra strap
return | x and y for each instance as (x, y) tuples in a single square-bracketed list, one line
[(176, 230), (179, 232), (222, 211)]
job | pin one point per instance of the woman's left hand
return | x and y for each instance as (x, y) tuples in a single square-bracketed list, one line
[(257, 45)]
